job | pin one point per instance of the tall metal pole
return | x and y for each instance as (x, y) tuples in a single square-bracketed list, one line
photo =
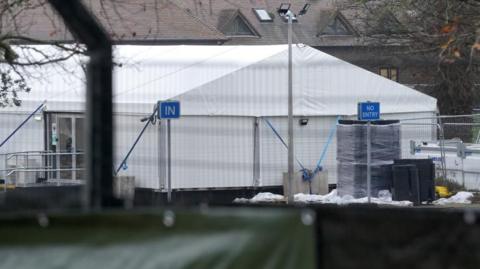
[(169, 163), (290, 111), (159, 155), (369, 160)]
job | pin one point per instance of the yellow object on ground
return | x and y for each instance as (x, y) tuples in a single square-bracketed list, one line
[(442, 192), (9, 186)]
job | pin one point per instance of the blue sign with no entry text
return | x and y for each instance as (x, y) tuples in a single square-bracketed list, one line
[(369, 111), (168, 109)]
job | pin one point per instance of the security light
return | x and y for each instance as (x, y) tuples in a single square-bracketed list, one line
[(283, 9), (303, 121), (304, 9), (289, 14)]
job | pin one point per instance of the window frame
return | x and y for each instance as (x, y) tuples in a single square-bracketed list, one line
[(389, 70), (239, 16), (255, 11), (335, 22)]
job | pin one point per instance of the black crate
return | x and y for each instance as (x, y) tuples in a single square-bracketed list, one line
[(405, 183), (352, 179), (426, 177)]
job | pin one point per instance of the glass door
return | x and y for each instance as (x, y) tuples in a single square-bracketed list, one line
[(65, 139), (79, 147), (65, 147)]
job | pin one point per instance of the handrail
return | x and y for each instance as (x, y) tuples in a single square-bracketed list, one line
[(41, 153), (43, 170), (16, 152), (17, 166)]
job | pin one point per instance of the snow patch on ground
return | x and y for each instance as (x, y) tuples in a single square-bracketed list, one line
[(261, 197), (462, 197), (384, 198), (267, 197)]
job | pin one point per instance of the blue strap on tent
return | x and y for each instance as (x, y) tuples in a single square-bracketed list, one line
[(307, 174), (283, 141), (123, 164), (23, 123), (318, 168)]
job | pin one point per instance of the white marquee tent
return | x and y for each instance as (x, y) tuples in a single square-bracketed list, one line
[(224, 91)]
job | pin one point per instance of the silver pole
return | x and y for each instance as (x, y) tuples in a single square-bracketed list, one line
[(159, 155), (290, 111), (169, 164), (5, 174), (369, 153)]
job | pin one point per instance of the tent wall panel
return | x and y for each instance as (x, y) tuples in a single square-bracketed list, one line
[(143, 162), (223, 89), (309, 142), (210, 152), (29, 138)]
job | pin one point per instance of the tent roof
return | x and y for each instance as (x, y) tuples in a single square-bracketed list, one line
[(231, 80)]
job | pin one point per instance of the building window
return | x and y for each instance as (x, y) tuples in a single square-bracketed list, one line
[(386, 24), (239, 27), (263, 15), (389, 72), (336, 27)]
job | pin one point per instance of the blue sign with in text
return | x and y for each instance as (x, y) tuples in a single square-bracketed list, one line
[(168, 109), (369, 111)]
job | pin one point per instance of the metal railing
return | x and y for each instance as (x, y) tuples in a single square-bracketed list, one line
[(39, 162), (454, 133)]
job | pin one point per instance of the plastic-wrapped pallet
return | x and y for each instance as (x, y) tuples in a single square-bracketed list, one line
[(352, 178), (352, 156), (352, 141)]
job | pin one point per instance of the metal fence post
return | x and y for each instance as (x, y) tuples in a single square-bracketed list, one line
[(99, 133)]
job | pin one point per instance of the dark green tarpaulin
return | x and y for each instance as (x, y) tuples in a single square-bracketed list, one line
[(220, 238)]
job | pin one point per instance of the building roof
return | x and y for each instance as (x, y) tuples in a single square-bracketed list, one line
[(127, 21), (229, 80), (194, 22), (306, 30)]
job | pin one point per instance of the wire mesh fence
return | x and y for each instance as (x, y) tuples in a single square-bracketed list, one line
[(219, 153), (233, 126), (454, 148)]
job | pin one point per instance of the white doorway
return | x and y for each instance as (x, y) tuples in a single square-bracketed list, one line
[(65, 143)]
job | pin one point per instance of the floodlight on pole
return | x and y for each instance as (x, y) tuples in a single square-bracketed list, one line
[(304, 9), (284, 8)]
